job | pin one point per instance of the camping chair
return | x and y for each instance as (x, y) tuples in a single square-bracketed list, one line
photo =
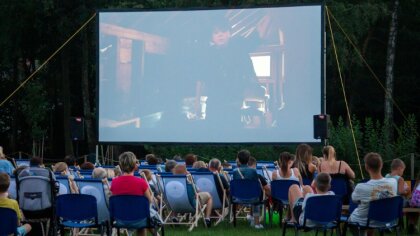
[(245, 192), (176, 197), (8, 222), (208, 182), (280, 193), (383, 215), (324, 211), (95, 188), (63, 181), (12, 188), (126, 211), (339, 187), (77, 211)]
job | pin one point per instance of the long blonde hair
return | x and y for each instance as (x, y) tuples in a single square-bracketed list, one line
[(329, 153)]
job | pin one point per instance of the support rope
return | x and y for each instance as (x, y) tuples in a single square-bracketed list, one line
[(48, 60), (344, 91)]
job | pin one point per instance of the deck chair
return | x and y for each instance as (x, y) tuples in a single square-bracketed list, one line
[(176, 197), (64, 185), (36, 193), (12, 188), (95, 187), (208, 182), (324, 211), (280, 193), (8, 222)]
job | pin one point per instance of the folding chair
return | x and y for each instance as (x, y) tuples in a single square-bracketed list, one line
[(95, 188), (129, 211), (12, 188), (339, 186), (64, 185), (176, 197), (280, 193), (8, 222), (323, 211), (245, 192), (383, 215), (77, 211), (208, 182)]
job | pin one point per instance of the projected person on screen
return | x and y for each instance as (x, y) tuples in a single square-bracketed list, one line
[(229, 75)]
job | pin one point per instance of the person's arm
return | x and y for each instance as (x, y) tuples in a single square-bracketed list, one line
[(274, 175), (148, 195), (297, 174), (311, 167), (356, 195), (348, 171)]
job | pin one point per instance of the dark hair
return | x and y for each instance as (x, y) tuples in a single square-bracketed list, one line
[(151, 159), (373, 161), (397, 163), (35, 161), (214, 163), (252, 161), (87, 166), (284, 158), (190, 159), (243, 156), (323, 182), (303, 153), (4, 182), (169, 165), (70, 160)]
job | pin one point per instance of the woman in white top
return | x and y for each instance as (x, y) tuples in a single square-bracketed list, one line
[(286, 172)]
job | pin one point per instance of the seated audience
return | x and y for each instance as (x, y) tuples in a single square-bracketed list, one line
[(190, 158), (200, 166), (101, 173), (5, 202), (252, 163), (117, 171), (204, 197), (151, 159), (216, 167), (286, 172), (87, 166), (128, 184), (397, 172), (169, 165), (303, 161), (414, 202), (5, 165), (298, 197), (377, 187), (245, 172)]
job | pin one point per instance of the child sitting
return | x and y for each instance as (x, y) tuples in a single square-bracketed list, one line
[(397, 171), (12, 204), (298, 197)]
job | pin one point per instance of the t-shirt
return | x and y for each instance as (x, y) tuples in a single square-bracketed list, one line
[(309, 223), (128, 185), (247, 173), (372, 190), (6, 166), (12, 204)]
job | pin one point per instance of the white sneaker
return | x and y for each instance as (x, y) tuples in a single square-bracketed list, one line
[(260, 226), (250, 219)]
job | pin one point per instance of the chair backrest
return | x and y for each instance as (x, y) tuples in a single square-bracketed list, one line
[(205, 182), (175, 193), (323, 209), (280, 189), (12, 188), (35, 193), (8, 221), (64, 188), (76, 207), (385, 210), (22, 162), (245, 190), (339, 186), (95, 187), (306, 181), (128, 208)]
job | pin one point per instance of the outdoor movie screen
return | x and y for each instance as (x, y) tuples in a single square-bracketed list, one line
[(249, 75)]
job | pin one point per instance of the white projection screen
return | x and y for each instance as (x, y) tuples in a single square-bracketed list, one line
[(249, 75)]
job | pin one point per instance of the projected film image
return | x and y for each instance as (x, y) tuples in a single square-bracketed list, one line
[(210, 76)]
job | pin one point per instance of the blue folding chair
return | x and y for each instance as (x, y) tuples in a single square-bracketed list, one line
[(8, 222), (77, 211), (12, 188), (131, 212), (323, 211), (280, 193), (245, 192), (383, 215), (339, 186)]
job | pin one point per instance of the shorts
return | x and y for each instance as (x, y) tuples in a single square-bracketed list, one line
[(21, 231), (204, 197), (297, 208)]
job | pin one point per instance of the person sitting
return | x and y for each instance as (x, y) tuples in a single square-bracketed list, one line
[(101, 173), (87, 166), (245, 172), (169, 165), (200, 166), (376, 188), (216, 167), (286, 172), (5, 202), (128, 184), (5, 165), (204, 197), (151, 159), (303, 161), (62, 169), (397, 172), (190, 158), (298, 197)]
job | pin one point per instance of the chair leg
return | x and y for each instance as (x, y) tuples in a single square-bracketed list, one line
[(316, 232), (234, 214), (325, 232), (284, 228), (397, 231)]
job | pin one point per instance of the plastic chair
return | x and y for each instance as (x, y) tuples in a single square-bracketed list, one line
[(245, 192), (324, 211), (384, 214), (8, 221), (77, 211), (339, 186), (126, 209), (280, 192), (64, 185)]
